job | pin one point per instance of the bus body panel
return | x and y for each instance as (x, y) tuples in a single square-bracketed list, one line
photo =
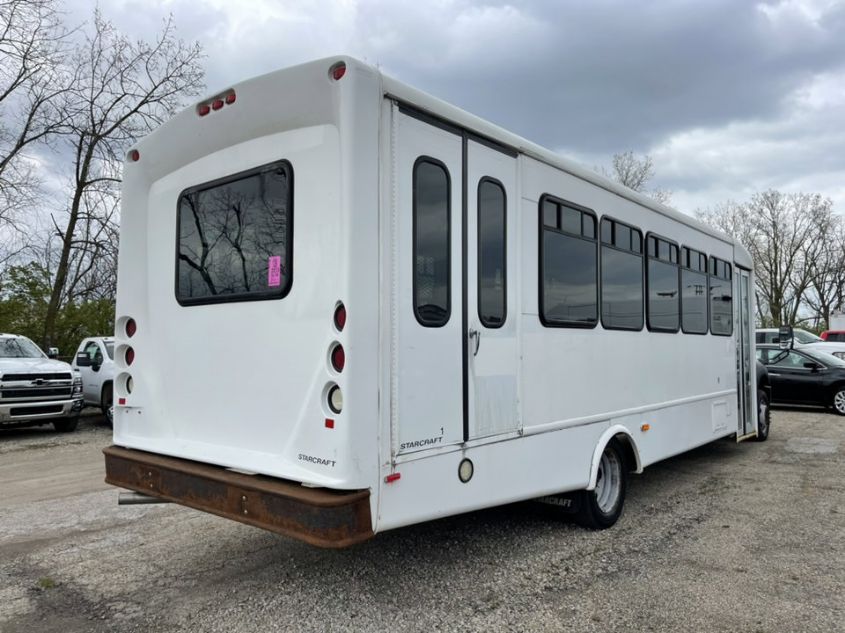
[(243, 385)]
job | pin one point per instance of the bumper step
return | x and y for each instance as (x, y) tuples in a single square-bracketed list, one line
[(321, 517)]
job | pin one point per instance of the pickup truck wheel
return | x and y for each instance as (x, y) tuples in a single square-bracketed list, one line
[(107, 400), (66, 425)]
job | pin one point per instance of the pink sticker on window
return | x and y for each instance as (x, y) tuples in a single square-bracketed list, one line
[(274, 271)]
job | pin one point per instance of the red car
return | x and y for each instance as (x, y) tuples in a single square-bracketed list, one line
[(833, 336)]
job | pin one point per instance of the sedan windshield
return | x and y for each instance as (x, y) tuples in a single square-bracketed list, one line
[(19, 348)]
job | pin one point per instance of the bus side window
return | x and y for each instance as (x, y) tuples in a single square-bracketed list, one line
[(663, 286), (431, 252), (621, 276), (492, 268), (568, 265), (721, 298)]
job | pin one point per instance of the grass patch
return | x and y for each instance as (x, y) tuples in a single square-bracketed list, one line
[(46, 583)]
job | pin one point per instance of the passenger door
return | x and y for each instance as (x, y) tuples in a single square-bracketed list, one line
[(491, 291), (427, 376), (791, 381)]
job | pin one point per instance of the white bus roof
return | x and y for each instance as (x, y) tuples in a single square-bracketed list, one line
[(448, 113)]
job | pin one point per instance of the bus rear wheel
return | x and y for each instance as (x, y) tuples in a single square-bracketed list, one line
[(601, 507)]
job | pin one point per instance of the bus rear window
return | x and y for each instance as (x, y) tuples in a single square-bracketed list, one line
[(235, 237)]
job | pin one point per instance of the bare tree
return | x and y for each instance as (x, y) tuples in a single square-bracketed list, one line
[(787, 236), (33, 87), (635, 173), (124, 89)]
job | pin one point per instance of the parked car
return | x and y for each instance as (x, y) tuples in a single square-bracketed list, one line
[(804, 376), (833, 336), (36, 389), (801, 339), (95, 361)]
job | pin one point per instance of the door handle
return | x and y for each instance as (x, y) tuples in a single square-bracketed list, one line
[(475, 334)]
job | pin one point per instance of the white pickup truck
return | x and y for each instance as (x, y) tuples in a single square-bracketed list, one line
[(95, 361), (35, 389)]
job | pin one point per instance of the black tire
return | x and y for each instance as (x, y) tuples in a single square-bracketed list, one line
[(66, 425), (838, 400), (764, 416), (600, 514), (106, 400)]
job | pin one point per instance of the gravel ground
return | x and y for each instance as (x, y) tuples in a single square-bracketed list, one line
[(728, 537)]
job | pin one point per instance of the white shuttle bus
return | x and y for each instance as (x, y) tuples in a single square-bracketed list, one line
[(345, 306)]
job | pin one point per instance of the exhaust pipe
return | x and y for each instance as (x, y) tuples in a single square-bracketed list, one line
[(136, 498)]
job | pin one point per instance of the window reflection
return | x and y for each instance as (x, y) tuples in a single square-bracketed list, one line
[(234, 238)]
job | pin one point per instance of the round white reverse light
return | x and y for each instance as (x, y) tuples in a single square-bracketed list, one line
[(465, 470), (335, 399)]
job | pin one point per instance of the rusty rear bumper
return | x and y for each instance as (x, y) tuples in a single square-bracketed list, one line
[(326, 518)]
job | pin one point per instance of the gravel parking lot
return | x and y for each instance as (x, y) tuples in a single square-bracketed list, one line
[(747, 537)]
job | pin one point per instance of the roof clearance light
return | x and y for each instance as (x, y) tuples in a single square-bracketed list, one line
[(131, 328), (203, 109), (217, 104), (338, 71), (134, 155), (230, 98), (340, 317)]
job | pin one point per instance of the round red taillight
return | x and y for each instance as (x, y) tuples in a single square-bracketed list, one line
[(129, 356), (338, 358), (338, 71), (340, 317), (131, 328)]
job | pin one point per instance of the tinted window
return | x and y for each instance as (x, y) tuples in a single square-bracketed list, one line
[(721, 298), (693, 293), (235, 238), (491, 253), (621, 277), (663, 292), (568, 268), (432, 262)]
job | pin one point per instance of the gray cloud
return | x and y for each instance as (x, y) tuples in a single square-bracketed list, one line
[(720, 92)]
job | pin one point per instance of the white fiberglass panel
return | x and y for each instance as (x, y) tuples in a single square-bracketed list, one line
[(241, 383)]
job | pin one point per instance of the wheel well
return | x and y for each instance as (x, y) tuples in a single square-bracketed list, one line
[(106, 385), (628, 451)]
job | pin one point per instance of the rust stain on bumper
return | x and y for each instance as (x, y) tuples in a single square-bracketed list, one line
[(321, 517)]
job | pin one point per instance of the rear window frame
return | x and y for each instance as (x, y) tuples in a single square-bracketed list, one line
[(275, 294)]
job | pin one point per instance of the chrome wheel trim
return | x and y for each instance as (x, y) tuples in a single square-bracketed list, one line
[(839, 401), (609, 482)]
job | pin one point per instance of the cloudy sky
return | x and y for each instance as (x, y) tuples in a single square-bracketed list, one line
[(729, 97)]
